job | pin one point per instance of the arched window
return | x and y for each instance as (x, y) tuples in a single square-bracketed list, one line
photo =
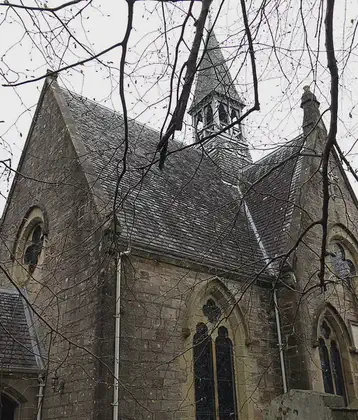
[(225, 375), (214, 370), (342, 264), (203, 374), (234, 115), (331, 361), (28, 252), (209, 114), (199, 122), (33, 248), (223, 117), (7, 408)]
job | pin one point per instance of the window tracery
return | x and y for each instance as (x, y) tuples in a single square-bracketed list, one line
[(33, 248), (331, 361), (342, 265), (211, 310), (29, 245), (214, 370)]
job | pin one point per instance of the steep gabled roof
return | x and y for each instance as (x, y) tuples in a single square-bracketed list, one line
[(184, 210), (18, 350), (271, 186), (213, 74)]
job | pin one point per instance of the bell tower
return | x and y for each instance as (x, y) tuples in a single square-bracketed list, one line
[(216, 104)]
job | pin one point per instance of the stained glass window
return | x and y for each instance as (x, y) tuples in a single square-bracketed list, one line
[(211, 311), (331, 362), (33, 249), (203, 374), (342, 266), (225, 376), (337, 369), (326, 367), (214, 368)]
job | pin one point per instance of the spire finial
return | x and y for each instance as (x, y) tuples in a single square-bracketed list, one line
[(51, 74), (310, 106), (210, 20)]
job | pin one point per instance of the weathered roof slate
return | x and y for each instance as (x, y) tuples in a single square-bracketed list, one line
[(17, 350), (271, 186), (185, 210)]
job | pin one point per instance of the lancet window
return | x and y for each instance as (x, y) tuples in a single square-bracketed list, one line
[(331, 360), (199, 122), (234, 115), (33, 248), (28, 248), (209, 114), (223, 113), (214, 370)]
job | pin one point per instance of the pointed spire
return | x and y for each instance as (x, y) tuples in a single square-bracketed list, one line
[(213, 74)]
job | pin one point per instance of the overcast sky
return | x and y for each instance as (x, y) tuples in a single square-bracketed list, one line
[(283, 70)]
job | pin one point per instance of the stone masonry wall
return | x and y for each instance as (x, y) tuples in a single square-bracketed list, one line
[(157, 317), (70, 282), (300, 304)]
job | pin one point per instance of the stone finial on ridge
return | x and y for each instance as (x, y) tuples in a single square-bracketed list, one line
[(311, 113)]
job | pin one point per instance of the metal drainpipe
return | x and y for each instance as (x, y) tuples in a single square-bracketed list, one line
[(40, 396), (117, 335), (279, 338)]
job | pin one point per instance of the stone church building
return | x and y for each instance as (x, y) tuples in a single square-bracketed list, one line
[(128, 292)]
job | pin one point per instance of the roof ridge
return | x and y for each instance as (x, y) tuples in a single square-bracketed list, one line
[(132, 120), (272, 153), (108, 108), (96, 190)]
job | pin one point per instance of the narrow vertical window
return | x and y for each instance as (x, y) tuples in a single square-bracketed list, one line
[(234, 115), (204, 374), (33, 249), (225, 376), (223, 117), (209, 115), (326, 367), (337, 370), (199, 122), (342, 265), (7, 408)]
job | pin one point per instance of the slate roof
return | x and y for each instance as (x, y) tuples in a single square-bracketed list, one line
[(272, 185), (213, 74), (185, 210), (17, 350)]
